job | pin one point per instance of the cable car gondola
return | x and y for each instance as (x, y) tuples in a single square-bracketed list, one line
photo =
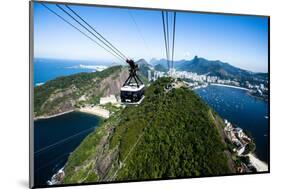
[(132, 91)]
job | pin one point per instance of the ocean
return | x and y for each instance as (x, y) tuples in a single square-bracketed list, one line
[(242, 110), (48, 69), (55, 138)]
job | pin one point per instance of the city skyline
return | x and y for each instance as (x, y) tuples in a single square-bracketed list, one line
[(241, 41)]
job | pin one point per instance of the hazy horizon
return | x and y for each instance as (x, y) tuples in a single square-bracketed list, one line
[(112, 63)]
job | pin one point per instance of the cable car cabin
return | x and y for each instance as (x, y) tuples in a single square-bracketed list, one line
[(132, 94), (132, 91)]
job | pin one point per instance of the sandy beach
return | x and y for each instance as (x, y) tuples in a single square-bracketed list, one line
[(55, 115), (95, 110)]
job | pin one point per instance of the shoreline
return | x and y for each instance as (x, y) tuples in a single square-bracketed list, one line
[(257, 97), (51, 116), (95, 110), (241, 88), (57, 178), (230, 86)]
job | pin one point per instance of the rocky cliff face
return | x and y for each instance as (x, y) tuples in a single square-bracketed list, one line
[(112, 84), (67, 93)]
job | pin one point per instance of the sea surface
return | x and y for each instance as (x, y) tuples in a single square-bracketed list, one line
[(55, 138), (48, 69), (242, 110)]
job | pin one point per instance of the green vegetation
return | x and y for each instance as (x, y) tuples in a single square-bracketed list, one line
[(111, 107), (170, 134), (88, 149), (63, 93), (182, 135), (250, 147), (230, 146)]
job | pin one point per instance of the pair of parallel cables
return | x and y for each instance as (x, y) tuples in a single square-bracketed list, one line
[(169, 48), (102, 42), (92, 34)]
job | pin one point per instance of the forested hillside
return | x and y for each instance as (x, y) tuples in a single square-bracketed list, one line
[(172, 133)]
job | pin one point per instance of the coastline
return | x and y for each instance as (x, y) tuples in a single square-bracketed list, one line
[(95, 110), (257, 97), (51, 116), (230, 86), (242, 88)]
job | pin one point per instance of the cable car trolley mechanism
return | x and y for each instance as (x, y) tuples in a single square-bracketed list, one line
[(132, 91)]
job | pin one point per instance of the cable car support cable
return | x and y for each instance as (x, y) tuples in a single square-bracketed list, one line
[(124, 59), (83, 33), (174, 34), (169, 46), (140, 33), (168, 37), (110, 44), (165, 38)]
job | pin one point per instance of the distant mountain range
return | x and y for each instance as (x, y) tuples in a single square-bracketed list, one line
[(144, 67), (209, 67)]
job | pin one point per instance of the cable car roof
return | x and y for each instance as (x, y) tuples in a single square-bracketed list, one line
[(132, 88)]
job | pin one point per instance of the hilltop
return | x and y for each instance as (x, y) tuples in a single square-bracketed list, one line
[(172, 133), (69, 92)]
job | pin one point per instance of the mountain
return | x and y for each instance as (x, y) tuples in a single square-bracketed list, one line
[(152, 61), (213, 68), (161, 68), (66, 93), (171, 134), (162, 62), (263, 76), (144, 67)]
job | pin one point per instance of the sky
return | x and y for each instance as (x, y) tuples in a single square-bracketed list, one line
[(241, 41)]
